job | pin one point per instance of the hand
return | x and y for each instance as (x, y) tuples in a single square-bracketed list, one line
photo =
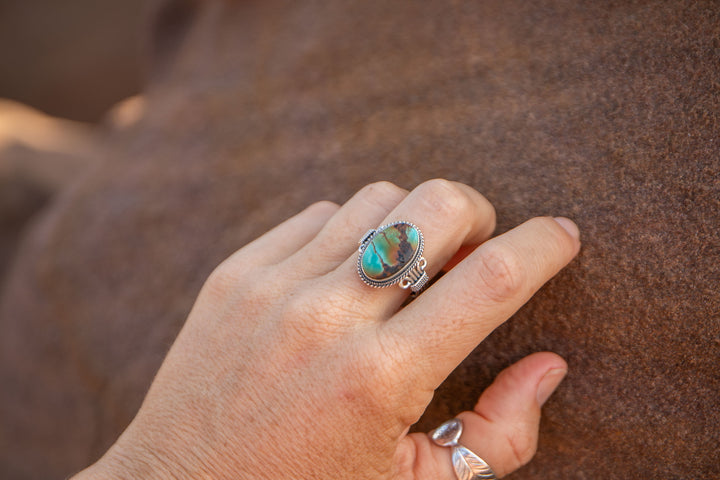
[(289, 366)]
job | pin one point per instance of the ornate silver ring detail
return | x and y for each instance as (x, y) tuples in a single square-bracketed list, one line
[(393, 254), (468, 466)]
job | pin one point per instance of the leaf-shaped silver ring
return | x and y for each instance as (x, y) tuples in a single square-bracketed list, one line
[(468, 466)]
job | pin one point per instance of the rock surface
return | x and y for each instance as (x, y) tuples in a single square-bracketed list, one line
[(606, 112)]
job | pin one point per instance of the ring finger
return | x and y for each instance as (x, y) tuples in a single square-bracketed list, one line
[(338, 237), (448, 214)]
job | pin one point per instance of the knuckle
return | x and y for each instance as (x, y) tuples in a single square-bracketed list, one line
[(228, 288), (501, 272), (323, 208), (384, 188), (522, 444), (223, 278), (444, 198), (383, 193)]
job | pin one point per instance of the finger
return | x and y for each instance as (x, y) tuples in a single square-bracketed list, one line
[(449, 214), (439, 329), (339, 237), (502, 429), (286, 238)]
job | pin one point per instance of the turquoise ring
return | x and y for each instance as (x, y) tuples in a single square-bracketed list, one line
[(393, 254)]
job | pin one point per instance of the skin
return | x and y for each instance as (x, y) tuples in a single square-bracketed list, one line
[(290, 366)]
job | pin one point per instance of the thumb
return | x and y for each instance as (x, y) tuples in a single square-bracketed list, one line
[(502, 429)]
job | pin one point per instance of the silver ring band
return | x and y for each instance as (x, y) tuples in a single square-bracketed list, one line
[(467, 465)]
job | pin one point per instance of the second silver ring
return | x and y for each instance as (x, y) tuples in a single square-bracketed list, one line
[(467, 465)]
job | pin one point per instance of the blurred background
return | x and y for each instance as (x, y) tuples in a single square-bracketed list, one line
[(69, 70), (74, 58)]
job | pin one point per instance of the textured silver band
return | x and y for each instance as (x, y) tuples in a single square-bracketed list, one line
[(416, 278), (467, 465)]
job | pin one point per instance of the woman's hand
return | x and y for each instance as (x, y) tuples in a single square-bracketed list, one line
[(289, 366)]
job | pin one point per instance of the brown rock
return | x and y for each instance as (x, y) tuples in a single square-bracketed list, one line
[(604, 112)]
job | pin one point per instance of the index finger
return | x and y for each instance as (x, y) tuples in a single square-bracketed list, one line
[(440, 328)]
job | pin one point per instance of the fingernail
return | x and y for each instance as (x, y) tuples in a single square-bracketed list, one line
[(569, 226), (549, 383)]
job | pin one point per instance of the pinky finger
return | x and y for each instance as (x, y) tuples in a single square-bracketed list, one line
[(286, 238)]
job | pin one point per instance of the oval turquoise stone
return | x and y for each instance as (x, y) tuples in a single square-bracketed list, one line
[(389, 251)]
